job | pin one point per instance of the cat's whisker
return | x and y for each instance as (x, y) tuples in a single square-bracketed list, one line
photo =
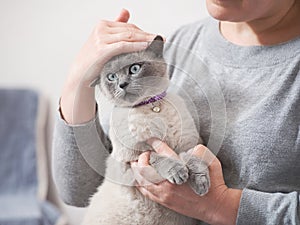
[(117, 94), (136, 87)]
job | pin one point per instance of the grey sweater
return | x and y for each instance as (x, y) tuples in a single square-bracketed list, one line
[(246, 105)]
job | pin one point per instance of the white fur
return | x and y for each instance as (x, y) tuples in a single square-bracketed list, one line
[(116, 203)]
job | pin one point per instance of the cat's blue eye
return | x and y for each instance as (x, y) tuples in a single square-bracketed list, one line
[(134, 68), (112, 77)]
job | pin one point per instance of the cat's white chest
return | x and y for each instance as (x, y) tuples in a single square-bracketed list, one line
[(130, 128)]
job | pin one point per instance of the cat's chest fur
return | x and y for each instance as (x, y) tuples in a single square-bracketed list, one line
[(130, 128), (117, 201)]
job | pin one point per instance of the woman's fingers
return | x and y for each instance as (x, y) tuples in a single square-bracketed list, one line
[(128, 36), (161, 147), (125, 47), (123, 16), (164, 192), (144, 173), (204, 153), (144, 159), (112, 24), (108, 32), (121, 27)]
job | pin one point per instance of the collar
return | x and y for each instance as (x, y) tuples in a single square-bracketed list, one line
[(152, 99)]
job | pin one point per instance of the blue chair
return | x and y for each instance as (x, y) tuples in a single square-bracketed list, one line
[(23, 160)]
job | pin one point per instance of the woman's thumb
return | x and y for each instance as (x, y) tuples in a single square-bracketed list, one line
[(161, 147), (123, 16)]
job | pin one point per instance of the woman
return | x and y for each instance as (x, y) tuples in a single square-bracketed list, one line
[(252, 49)]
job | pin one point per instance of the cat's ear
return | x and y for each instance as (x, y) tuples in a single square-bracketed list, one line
[(157, 46), (95, 82)]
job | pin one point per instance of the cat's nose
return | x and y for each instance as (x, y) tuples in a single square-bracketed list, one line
[(123, 85)]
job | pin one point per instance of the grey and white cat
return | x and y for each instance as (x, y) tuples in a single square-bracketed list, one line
[(136, 83)]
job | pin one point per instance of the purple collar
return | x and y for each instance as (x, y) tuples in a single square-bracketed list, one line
[(152, 99)]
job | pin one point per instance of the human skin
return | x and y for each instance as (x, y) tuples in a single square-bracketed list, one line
[(109, 38), (218, 206), (243, 23), (257, 22)]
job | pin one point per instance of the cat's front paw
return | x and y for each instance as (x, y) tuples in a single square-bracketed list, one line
[(200, 183), (178, 174), (199, 179), (173, 170)]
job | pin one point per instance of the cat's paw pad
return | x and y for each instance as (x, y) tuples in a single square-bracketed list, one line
[(178, 174), (200, 183)]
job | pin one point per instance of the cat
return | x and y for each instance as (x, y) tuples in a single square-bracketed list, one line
[(136, 84)]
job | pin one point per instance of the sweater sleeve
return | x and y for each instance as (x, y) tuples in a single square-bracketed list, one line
[(268, 208), (79, 153)]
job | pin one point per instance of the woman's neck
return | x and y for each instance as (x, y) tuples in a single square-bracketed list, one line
[(280, 26)]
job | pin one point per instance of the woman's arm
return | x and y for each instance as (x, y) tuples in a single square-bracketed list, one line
[(108, 39), (259, 207), (80, 147), (221, 205), (77, 177)]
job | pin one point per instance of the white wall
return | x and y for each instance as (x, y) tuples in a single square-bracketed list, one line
[(40, 38)]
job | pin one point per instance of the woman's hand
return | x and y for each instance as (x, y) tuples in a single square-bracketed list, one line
[(108, 39), (218, 206)]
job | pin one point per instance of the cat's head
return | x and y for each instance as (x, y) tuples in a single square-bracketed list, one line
[(130, 78)]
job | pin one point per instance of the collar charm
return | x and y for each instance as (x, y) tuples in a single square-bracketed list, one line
[(156, 109), (152, 100)]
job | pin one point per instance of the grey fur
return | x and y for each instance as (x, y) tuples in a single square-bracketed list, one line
[(130, 128), (153, 66), (197, 173)]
